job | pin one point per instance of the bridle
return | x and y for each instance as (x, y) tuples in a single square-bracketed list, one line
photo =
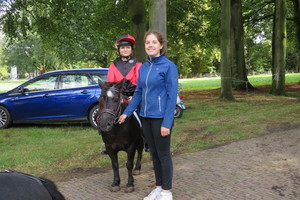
[(115, 113)]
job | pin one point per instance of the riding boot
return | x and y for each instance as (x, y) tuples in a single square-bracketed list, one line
[(103, 152)]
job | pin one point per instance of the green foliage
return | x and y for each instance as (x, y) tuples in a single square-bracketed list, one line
[(3, 73), (193, 37), (31, 55), (74, 32)]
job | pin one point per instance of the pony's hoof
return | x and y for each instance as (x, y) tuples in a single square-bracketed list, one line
[(136, 172), (115, 188), (129, 189)]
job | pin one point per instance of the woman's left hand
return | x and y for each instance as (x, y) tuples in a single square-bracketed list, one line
[(164, 131), (122, 118)]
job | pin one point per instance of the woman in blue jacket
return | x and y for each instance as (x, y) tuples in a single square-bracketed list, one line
[(157, 92)]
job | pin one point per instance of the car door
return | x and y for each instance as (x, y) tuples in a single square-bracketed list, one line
[(35, 99), (75, 95)]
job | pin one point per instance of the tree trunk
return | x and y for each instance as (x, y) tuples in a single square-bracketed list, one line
[(279, 49), (226, 51), (137, 15), (297, 25), (239, 73), (158, 17)]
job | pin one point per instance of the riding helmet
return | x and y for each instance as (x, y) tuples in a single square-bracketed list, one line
[(125, 40)]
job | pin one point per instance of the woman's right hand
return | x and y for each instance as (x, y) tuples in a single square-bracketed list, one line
[(122, 118)]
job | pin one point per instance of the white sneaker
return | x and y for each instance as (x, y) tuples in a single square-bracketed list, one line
[(165, 196), (153, 195)]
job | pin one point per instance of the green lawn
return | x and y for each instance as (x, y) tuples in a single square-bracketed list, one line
[(54, 150), (213, 83)]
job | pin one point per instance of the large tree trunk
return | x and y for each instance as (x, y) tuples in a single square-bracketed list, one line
[(226, 51), (297, 25), (279, 49), (137, 15), (239, 72), (158, 17)]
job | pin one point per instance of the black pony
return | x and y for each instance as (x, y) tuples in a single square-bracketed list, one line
[(119, 137), (20, 186)]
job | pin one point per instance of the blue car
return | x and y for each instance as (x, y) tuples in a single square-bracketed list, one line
[(57, 96)]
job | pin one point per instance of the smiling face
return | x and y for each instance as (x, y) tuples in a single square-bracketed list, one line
[(125, 50), (153, 46)]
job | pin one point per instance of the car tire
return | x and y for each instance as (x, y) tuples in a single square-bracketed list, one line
[(178, 112), (93, 116), (5, 118)]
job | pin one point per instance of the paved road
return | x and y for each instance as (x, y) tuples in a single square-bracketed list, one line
[(266, 167)]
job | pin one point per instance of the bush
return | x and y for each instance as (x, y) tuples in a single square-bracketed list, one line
[(4, 73)]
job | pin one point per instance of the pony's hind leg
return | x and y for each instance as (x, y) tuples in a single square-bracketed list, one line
[(138, 164)]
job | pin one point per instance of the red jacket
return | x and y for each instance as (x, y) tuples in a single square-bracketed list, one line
[(114, 75)]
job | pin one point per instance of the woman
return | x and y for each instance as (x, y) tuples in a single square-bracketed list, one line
[(157, 93), (125, 66)]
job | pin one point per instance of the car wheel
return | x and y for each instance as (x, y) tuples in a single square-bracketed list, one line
[(93, 116), (5, 118), (178, 112)]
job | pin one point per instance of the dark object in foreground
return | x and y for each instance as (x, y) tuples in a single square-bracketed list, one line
[(119, 137), (17, 185)]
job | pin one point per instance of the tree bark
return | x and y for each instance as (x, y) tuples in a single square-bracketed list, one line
[(137, 15), (158, 17), (239, 73), (279, 49), (226, 51), (297, 25)]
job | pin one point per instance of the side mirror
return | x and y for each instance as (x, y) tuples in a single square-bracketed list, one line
[(22, 90)]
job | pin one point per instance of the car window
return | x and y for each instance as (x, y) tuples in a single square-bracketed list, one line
[(41, 84), (74, 81), (96, 76)]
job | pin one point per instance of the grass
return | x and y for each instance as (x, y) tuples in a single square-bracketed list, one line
[(212, 122), (56, 150), (213, 83)]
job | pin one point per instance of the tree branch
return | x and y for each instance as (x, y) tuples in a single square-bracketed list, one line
[(250, 15)]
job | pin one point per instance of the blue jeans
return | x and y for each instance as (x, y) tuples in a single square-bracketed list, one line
[(160, 151)]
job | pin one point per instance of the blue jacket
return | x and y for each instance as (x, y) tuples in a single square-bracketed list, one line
[(157, 89)]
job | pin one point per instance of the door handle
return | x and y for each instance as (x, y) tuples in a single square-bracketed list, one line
[(85, 92), (46, 95)]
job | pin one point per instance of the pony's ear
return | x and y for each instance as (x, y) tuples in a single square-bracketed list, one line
[(101, 84)]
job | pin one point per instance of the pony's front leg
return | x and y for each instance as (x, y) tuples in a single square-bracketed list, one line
[(115, 186), (129, 166)]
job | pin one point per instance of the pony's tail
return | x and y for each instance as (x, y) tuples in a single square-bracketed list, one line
[(52, 189)]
